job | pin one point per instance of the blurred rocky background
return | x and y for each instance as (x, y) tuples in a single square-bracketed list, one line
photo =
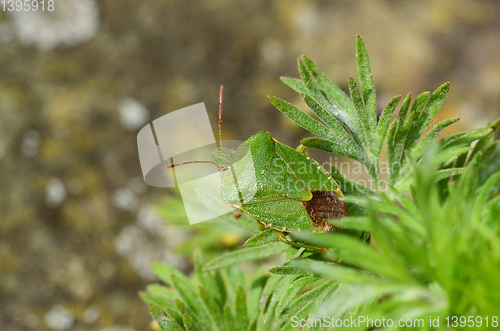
[(77, 230)]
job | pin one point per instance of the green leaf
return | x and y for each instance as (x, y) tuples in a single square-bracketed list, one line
[(299, 117), (233, 279), (160, 290), (311, 301), (333, 99), (383, 124), (326, 145), (175, 315), (229, 319), (292, 292), (430, 137), (401, 120), (213, 309), (255, 295), (292, 252), (193, 300), (394, 139), (391, 208), (450, 154), (211, 281), (253, 325), (247, 254), (404, 184), (324, 115), (188, 323), (240, 310), (271, 284), (243, 221), (322, 98), (363, 114), (341, 273), (350, 187), (156, 300), (342, 107), (314, 297), (186, 310), (349, 296), (428, 114), (415, 131), (269, 315), (367, 85), (341, 136), (465, 138), (391, 152), (353, 223), (486, 140), (405, 106), (285, 270), (164, 321), (356, 252), (483, 194), (295, 84), (307, 253), (164, 271), (264, 237), (400, 141)]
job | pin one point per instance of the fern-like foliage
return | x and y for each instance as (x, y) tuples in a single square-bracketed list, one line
[(430, 257), (433, 252), (349, 126), (225, 300), (212, 237)]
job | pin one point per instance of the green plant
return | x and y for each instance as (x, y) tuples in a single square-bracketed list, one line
[(213, 237), (226, 300), (432, 252), (349, 127), (430, 257)]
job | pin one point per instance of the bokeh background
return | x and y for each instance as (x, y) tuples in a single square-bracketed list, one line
[(78, 230)]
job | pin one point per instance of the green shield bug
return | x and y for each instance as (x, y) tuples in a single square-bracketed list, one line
[(286, 190)]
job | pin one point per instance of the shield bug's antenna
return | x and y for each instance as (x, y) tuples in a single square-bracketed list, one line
[(173, 166), (184, 163), (220, 137), (220, 122), (220, 115)]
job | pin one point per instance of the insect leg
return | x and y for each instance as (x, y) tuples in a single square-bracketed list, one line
[(303, 149), (283, 239), (238, 214)]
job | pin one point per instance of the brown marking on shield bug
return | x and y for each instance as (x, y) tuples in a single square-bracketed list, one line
[(323, 206)]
